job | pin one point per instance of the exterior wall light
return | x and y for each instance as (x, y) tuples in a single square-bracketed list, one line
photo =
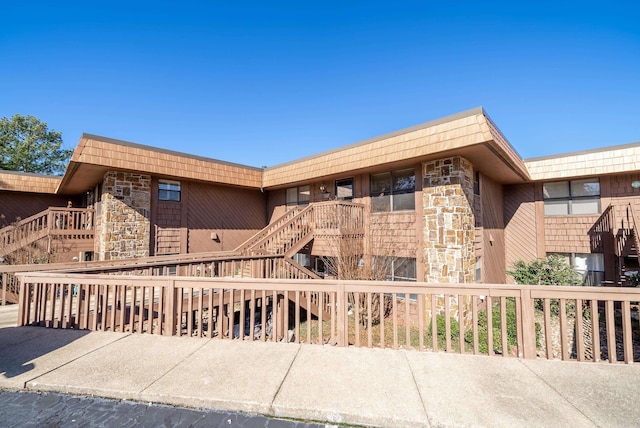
[(323, 188), (635, 184)]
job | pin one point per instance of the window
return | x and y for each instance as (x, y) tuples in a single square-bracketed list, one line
[(572, 197), (344, 189), (393, 191), (402, 269), (298, 196), (167, 270), (589, 265), (169, 190), (302, 259)]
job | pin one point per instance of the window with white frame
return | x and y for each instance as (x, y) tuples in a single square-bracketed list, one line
[(300, 195), (169, 190), (573, 197), (393, 191)]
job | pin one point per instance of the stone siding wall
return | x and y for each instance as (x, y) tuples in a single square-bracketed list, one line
[(126, 207), (449, 251), (449, 229)]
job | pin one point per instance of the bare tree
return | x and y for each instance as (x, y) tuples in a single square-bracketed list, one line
[(353, 259)]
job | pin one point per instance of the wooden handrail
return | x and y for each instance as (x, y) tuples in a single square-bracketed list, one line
[(338, 215), (269, 229), (62, 222), (636, 236)]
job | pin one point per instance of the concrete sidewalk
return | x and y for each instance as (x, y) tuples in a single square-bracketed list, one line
[(321, 383)]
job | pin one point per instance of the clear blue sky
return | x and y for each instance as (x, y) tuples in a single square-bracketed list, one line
[(261, 83)]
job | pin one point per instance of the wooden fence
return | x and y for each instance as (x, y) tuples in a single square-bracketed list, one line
[(569, 323), (218, 264)]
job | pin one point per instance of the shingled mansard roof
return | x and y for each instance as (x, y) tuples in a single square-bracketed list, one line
[(471, 134)]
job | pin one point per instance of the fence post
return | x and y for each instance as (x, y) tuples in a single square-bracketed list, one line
[(169, 312), (5, 287), (341, 310), (528, 324), (23, 300)]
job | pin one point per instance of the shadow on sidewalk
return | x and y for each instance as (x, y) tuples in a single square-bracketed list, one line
[(19, 346)]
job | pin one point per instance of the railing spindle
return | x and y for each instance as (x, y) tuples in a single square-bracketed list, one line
[(611, 332)]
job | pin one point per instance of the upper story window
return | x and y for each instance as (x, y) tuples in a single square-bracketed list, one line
[(393, 191), (169, 190), (344, 189), (572, 197), (300, 195)]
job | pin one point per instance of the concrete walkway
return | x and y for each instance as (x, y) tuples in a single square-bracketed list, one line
[(321, 383)]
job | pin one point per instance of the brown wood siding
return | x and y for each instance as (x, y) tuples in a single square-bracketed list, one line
[(64, 250), (568, 234), (220, 218), (493, 236), (622, 194), (276, 204), (393, 234), (167, 227), (167, 219), (520, 223), (14, 205)]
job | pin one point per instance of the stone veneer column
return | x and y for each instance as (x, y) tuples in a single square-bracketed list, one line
[(125, 212), (449, 225)]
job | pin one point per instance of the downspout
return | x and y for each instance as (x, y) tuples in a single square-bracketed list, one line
[(266, 201)]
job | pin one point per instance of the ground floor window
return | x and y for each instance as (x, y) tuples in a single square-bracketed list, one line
[(589, 265), (383, 268), (402, 269), (303, 259)]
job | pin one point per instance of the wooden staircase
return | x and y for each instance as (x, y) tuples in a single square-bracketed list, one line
[(616, 231), (627, 244), (295, 229), (52, 223), (299, 226)]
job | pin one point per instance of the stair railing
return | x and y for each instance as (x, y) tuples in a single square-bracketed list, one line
[(67, 223), (271, 228), (634, 227)]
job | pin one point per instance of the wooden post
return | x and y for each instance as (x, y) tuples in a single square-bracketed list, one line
[(342, 318), (528, 325), (5, 286), (170, 313), (23, 301), (282, 307)]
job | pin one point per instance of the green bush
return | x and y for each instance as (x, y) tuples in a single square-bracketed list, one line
[(551, 270), (483, 328), (442, 333)]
